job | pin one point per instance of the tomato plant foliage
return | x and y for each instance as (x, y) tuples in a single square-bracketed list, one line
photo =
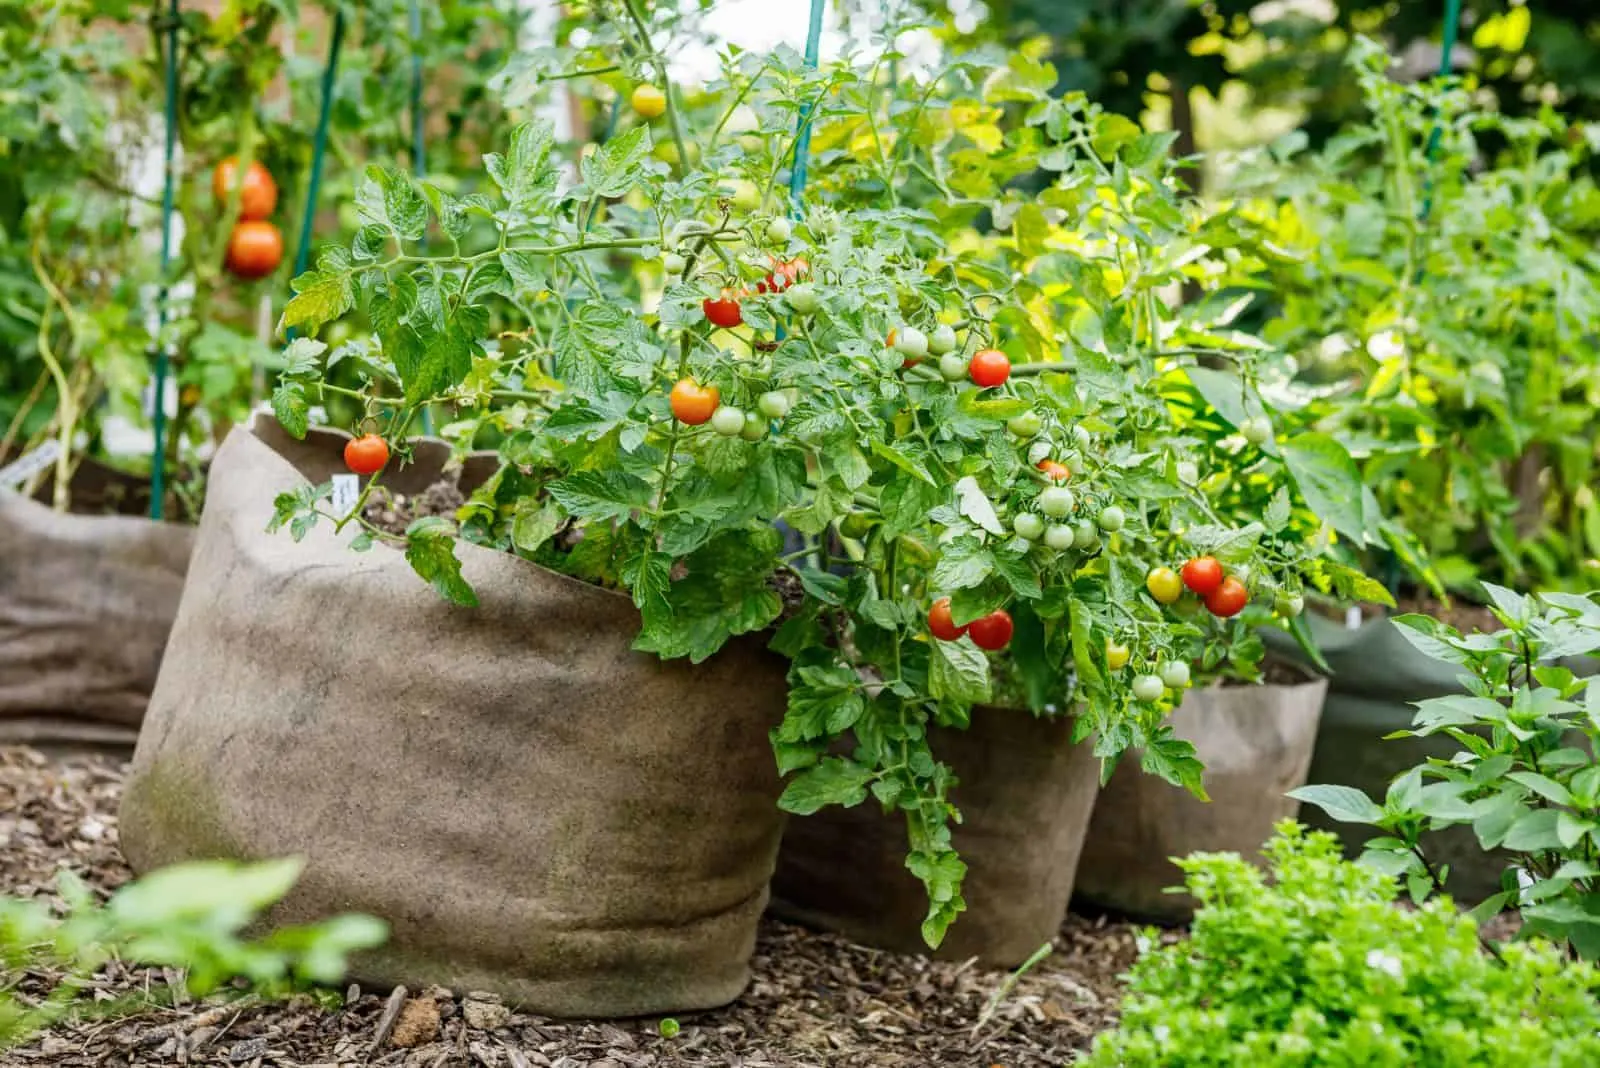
[(562, 313)]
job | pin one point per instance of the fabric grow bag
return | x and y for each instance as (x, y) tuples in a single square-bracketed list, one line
[(86, 603), (1255, 742), (1025, 793), (536, 809)]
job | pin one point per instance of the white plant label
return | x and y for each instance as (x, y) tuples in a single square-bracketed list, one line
[(1352, 618), (29, 464), (346, 492)]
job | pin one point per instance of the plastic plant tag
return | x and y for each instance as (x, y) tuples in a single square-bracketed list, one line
[(346, 492)]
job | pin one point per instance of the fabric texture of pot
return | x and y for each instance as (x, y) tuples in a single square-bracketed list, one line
[(1025, 793), (536, 809), (86, 604), (1255, 742), (1377, 675)]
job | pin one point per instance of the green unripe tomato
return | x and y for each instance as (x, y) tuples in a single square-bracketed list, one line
[(746, 195), (1289, 605), (1038, 452), (673, 263), (1112, 519), (822, 221), (1026, 425), (942, 340), (1188, 473), (773, 405), (911, 343), (855, 525), (1175, 674), (1059, 536), (1148, 688), (780, 230), (802, 297), (1084, 535), (728, 421), (1257, 430), (1082, 436), (952, 368), (1028, 526), (1056, 501), (755, 427)]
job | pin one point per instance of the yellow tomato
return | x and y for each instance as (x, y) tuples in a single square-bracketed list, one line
[(1116, 656), (649, 101), (1164, 584)]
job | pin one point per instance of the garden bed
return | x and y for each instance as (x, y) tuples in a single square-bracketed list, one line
[(816, 999)]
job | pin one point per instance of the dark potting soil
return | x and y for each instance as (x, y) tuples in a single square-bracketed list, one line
[(817, 1001), (392, 513), (1460, 614)]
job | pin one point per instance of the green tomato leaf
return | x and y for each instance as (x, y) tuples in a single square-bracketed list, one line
[(834, 781), (290, 406), (958, 671), (601, 495), (975, 505), (321, 294), (431, 551), (525, 174), (1328, 480), (618, 165)]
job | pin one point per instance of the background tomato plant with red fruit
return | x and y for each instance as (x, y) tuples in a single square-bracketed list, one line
[(956, 537)]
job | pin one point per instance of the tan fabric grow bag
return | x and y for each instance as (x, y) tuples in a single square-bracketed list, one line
[(1256, 744), (536, 809), (1025, 794), (86, 603)]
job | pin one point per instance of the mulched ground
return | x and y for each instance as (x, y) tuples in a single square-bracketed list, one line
[(816, 1000)]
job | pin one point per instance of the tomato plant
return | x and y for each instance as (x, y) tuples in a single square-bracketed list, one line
[(944, 562), (1434, 312), (79, 224)]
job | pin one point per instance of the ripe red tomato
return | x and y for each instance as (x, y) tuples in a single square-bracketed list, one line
[(1203, 575), (255, 249), (940, 623), (991, 632), (989, 367), (366, 455), (1055, 470), (723, 311), (693, 403), (1228, 599), (259, 194)]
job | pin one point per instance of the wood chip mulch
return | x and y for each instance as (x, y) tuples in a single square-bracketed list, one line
[(817, 1000)]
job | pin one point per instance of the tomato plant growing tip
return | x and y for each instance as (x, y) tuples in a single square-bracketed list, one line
[(971, 532)]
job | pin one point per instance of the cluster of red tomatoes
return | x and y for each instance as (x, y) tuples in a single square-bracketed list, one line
[(255, 248), (724, 310), (991, 632), (1223, 595)]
